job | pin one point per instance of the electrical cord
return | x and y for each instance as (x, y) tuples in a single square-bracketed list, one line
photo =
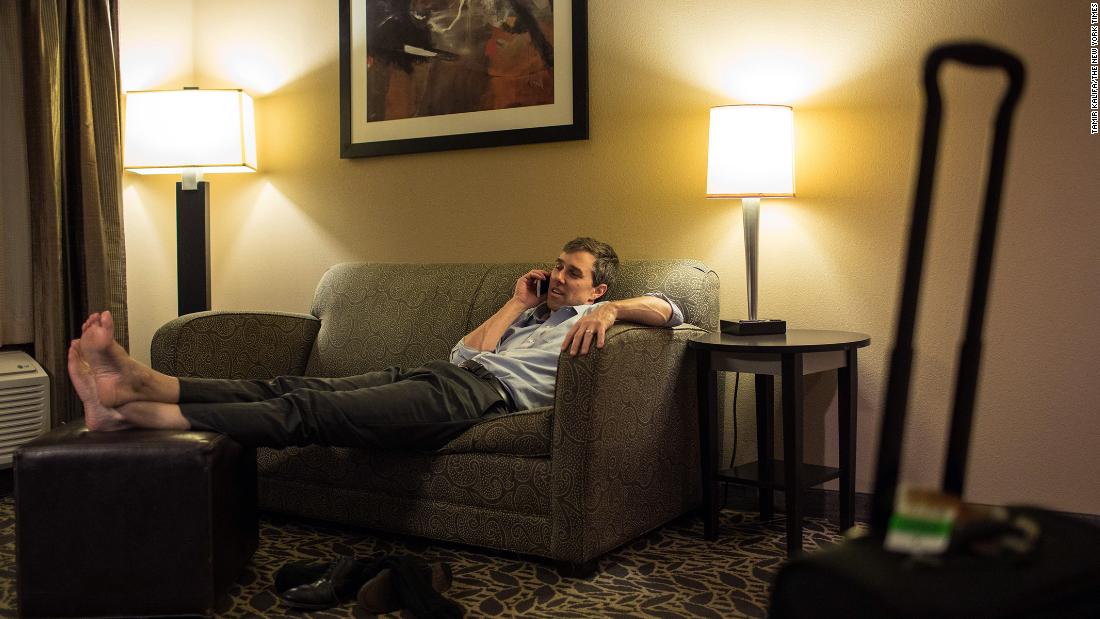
[(733, 454)]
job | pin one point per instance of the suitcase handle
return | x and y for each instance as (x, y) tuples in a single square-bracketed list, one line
[(897, 392)]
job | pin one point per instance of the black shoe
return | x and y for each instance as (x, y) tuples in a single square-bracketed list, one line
[(337, 584), (379, 595), (292, 575)]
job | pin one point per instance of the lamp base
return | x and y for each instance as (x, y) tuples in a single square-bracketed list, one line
[(193, 248), (753, 327)]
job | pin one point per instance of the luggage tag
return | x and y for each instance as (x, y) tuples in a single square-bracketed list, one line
[(922, 522)]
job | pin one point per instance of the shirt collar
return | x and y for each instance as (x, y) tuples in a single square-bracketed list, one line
[(542, 311)]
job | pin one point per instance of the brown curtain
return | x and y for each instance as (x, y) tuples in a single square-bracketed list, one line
[(16, 306), (71, 99)]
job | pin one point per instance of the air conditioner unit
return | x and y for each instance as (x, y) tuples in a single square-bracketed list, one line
[(24, 403)]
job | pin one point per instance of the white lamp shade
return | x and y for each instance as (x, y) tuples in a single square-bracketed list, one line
[(168, 131), (751, 152)]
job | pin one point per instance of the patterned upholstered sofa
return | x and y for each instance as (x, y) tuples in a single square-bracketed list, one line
[(614, 457)]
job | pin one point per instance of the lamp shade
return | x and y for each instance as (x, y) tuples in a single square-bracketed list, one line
[(168, 131), (751, 152)]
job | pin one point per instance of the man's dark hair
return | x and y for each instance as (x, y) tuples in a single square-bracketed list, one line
[(607, 261)]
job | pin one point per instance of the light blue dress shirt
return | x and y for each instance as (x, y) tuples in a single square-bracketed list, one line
[(526, 359)]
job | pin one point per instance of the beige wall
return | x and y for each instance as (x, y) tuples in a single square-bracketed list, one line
[(830, 257), (156, 52)]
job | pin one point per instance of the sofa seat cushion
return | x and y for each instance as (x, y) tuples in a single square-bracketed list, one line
[(523, 433)]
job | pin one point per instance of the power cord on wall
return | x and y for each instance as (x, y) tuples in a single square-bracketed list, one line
[(733, 455)]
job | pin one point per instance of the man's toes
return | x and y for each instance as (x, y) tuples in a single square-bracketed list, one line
[(74, 362), (92, 321), (108, 322)]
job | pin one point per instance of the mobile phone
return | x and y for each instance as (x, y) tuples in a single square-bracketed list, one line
[(542, 287)]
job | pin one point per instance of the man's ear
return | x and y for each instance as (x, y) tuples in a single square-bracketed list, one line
[(599, 291)]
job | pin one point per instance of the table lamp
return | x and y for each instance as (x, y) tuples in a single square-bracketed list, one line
[(751, 156), (190, 132)]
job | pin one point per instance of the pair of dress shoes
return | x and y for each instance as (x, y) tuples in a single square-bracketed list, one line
[(316, 586)]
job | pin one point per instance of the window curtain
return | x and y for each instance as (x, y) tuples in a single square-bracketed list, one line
[(71, 110), (16, 309)]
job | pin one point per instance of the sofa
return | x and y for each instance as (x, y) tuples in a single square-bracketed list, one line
[(616, 456)]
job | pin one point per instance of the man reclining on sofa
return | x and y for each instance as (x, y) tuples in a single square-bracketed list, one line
[(508, 363)]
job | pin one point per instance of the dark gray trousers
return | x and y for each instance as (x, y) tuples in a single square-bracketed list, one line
[(420, 408)]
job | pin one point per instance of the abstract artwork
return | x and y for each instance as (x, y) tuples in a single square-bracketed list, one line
[(428, 75)]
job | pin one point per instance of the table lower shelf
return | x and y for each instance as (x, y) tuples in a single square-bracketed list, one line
[(749, 474)]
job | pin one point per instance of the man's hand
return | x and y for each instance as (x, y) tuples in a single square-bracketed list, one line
[(590, 327), (487, 336), (525, 288), (648, 310)]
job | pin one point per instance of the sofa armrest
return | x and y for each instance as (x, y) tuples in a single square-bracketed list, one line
[(235, 344), (625, 446)]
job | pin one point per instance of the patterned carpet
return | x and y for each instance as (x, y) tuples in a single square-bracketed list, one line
[(671, 572)]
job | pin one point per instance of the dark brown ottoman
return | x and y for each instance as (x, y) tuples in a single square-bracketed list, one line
[(133, 523)]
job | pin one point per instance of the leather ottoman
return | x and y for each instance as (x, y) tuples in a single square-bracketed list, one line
[(132, 523)]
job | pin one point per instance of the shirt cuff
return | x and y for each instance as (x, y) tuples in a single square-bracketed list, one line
[(677, 317), (461, 352)]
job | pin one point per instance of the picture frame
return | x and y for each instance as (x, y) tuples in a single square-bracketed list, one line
[(405, 92)]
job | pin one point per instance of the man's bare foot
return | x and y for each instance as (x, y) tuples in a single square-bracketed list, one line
[(97, 417), (116, 376)]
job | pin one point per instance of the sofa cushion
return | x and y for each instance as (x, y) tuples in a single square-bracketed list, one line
[(526, 433), (691, 284), (375, 315)]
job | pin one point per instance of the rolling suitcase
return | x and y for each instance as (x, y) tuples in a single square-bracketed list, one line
[(1030, 563)]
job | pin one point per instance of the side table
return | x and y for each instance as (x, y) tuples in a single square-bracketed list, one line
[(791, 356)]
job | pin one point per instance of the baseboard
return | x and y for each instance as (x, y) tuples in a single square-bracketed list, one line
[(1092, 519), (821, 503)]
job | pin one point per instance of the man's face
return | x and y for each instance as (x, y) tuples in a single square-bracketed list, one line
[(571, 281)]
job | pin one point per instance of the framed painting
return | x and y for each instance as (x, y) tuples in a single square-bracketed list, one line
[(431, 75)]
